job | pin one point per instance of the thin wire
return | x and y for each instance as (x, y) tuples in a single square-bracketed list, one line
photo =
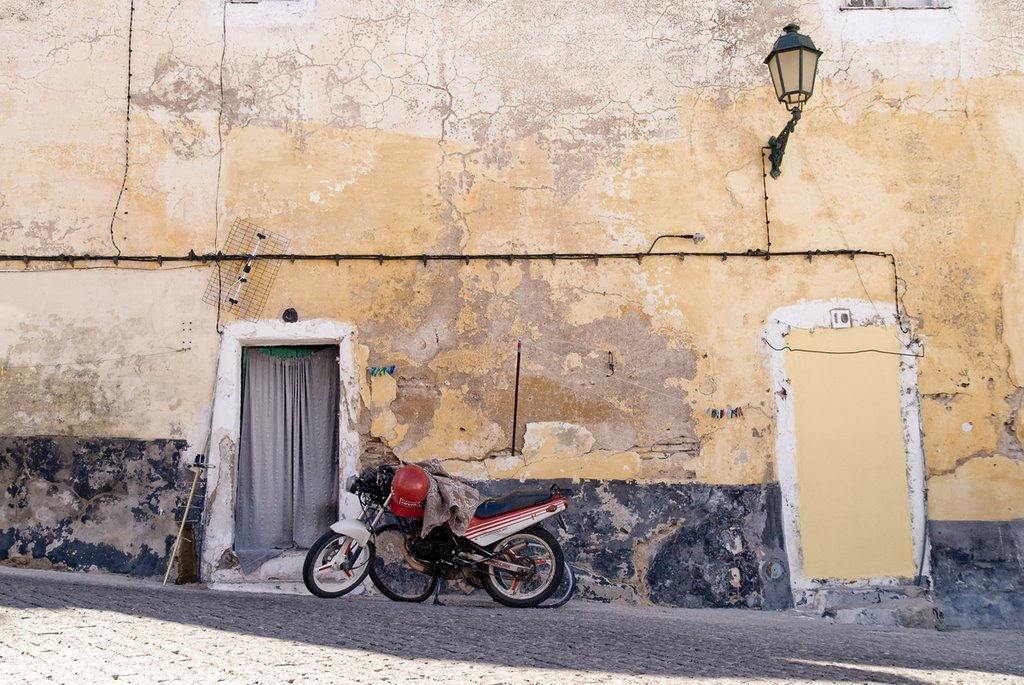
[(846, 241), (864, 351), (767, 221), (220, 127), (896, 295), (220, 162), (127, 128)]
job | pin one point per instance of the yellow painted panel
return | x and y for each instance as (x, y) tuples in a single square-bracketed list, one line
[(853, 501)]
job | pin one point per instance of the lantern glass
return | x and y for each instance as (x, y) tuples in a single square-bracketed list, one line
[(809, 70), (793, 64)]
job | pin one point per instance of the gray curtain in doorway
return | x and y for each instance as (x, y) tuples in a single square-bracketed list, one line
[(288, 456)]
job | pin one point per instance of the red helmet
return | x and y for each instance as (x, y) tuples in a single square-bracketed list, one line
[(409, 490)]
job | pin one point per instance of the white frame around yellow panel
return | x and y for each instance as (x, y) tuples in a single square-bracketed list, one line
[(815, 315)]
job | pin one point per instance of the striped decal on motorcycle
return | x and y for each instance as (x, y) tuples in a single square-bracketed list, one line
[(500, 522), (480, 527)]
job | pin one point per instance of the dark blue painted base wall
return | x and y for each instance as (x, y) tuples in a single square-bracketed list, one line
[(687, 545), (105, 504), (978, 572), (108, 504)]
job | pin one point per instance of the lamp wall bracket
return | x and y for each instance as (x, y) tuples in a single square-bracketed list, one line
[(777, 144)]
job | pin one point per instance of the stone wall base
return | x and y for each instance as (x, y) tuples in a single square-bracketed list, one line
[(978, 572)]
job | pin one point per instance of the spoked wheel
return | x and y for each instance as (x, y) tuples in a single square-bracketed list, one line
[(392, 572), (335, 565), (536, 549)]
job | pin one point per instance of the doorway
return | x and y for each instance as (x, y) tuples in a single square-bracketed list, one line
[(287, 492), (220, 565)]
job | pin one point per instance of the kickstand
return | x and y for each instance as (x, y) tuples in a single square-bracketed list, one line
[(437, 593)]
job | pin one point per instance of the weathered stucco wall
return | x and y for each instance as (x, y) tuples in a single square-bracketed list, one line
[(86, 504), (439, 128)]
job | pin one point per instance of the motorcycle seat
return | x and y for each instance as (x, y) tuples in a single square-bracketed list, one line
[(510, 502)]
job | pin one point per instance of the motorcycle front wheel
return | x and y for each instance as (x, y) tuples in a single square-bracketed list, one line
[(535, 548), (391, 572), (335, 565), (566, 589)]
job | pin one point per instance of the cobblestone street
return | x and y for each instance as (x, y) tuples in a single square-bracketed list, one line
[(67, 628)]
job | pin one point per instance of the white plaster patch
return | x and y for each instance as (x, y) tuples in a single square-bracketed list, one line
[(565, 437), (338, 185), (622, 519), (913, 27), (264, 14), (573, 361)]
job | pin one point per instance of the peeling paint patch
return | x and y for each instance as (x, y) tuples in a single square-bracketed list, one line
[(104, 504), (690, 545)]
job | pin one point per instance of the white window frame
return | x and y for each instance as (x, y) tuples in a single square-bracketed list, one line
[(896, 5)]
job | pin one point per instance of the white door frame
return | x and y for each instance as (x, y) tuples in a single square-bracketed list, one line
[(219, 529), (818, 315)]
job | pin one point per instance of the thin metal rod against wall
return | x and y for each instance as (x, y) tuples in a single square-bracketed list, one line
[(515, 400)]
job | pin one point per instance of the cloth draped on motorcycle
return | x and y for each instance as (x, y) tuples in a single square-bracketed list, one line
[(449, 500)]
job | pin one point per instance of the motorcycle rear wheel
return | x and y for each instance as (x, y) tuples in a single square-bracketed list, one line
[(391, 572), (335, 565), (535, 547)]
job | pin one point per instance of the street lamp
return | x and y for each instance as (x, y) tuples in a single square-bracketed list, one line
[(793, 63)]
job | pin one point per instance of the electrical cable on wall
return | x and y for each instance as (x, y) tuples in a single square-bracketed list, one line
[(220, 128), (219, 257), (127, 128), (841, 352), (846, 241), (119, 267), (767, 221)]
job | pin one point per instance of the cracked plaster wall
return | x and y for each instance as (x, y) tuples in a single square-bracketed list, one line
[(435, 127)]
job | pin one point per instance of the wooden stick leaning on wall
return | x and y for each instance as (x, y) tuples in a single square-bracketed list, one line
[(198, 465)]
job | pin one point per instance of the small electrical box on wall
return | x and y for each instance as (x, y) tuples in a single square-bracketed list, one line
[(841, 318)]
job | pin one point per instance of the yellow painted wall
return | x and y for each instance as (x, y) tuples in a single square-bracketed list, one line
[(465, 129), (983, 489), (851, 461)]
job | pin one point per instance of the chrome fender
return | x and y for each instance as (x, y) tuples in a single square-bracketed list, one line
[(357, 530)]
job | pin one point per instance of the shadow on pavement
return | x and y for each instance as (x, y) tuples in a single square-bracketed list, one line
[(579, 637)]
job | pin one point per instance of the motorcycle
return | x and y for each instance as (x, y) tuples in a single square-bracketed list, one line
[(505, 550)]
